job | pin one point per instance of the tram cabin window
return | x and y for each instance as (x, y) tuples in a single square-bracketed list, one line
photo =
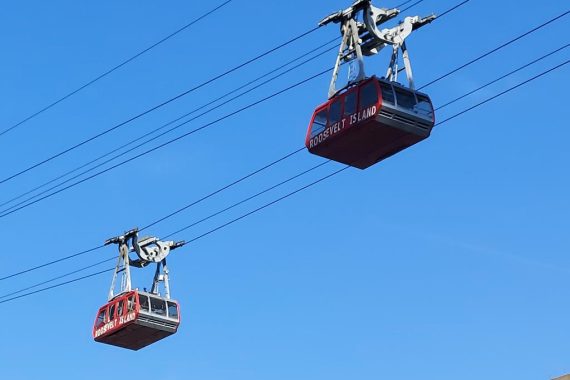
[(424, 107), (143, 300), (112, 312), (101, 318), (172, 310), (120, 307), (158, 306), (319, 123), (387, 93), (350, 103), (335, 112), (368, 95), (405, 99), (131, 302)]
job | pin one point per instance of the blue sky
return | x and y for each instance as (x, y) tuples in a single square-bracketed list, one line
[(447, 261)]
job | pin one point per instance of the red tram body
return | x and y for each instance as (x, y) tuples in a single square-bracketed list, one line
[(136, 319), (370, 122)]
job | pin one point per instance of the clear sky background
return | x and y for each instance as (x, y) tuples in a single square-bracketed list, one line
[(449, 260)]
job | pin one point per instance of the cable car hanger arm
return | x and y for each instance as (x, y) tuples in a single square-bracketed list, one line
[(149, 250), (366, 39)]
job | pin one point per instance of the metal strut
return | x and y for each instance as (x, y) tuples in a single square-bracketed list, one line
[(149, 250), (364, 38)]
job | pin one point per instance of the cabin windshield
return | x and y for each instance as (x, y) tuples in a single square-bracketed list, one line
[(112, 312), (143, 301), (131, 302), (121, 308), (424, 107), (387, 93), (158, 306), (101, 318), (405, 99), (319, 123), (172, 310)]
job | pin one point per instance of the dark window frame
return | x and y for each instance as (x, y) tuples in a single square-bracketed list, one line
[(170, 306), (101, 318), (403, 94), (141, 304), (340, 101), (363, 95), (352, 92), (321, 127), (385, 87)]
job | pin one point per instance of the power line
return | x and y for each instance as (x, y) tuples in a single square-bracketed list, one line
[(134, 57), (196, 202), (453, 8), (80, 253), (29, 202), (199, 237), (154, 108), (411, 6), (242, 201), (106, 73), (211, 109), (502, 77), (162, 145), (267, 205), (306, 186), (504, 92), (56, 278), (57, 285), (173, 233), (147, 134), (208, 196), (496, 49)]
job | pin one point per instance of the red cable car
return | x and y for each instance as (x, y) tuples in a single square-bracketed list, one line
[(370, 122), (370, 119), (136, 319), (133, 319)]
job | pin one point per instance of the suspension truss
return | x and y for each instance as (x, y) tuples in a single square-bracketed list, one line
[(365, 38), (149, 250)]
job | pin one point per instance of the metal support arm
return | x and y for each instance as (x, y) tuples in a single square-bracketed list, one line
[(149, 250), (366, 38)]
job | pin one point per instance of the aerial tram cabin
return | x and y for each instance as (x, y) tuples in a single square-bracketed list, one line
[(371, 121), (134, 319), (370, 118)]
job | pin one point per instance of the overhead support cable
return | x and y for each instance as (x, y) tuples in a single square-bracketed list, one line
[(171, 234), (30, 201), (210, 104), (502, 77), (217, 191), (510, 89), (162, 145), (49, 263), (113, 69), (11, 294), (502, 46), (156, 107)]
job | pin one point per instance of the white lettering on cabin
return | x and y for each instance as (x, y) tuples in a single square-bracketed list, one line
[(115, 323), (346, 122)]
